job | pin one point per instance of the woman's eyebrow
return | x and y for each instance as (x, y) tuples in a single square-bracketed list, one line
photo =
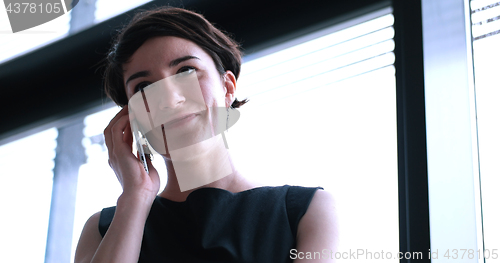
[(173, 63), (177, 61), (137, 75)]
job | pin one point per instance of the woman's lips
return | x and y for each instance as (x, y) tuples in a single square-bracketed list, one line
[(180, 121)]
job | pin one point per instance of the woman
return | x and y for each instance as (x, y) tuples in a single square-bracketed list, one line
[(227, 220)]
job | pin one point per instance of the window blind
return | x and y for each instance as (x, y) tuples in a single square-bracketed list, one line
[(485, 18), (322, 61)]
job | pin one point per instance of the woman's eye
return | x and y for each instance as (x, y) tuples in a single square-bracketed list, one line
[(141, 86), (186, 70)]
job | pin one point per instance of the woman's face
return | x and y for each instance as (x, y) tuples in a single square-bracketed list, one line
[(162, 57)]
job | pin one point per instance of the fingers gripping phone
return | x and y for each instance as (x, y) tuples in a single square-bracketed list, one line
[(141, 143)]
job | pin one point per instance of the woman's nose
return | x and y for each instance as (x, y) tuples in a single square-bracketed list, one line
[(170, 98)]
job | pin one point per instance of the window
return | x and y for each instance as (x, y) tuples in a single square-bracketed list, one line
[(323, 113), (106, 9), (453, 123), (25, 192), (485, 18), (13, 45)]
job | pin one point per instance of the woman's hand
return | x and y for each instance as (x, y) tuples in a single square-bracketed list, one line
[(129, 170), (123, 240)]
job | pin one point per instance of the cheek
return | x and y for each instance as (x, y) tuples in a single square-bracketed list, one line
[(213, 93)]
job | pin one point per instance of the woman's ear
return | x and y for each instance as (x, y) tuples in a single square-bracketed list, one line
[(230, 88)]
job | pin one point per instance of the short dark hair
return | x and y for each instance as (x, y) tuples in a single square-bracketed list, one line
[(168, 21)]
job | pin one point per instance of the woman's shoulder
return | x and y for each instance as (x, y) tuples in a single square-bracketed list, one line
[(318, 228), (93, 220), (89, 239)]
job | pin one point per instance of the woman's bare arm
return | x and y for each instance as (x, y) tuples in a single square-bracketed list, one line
[(122, 242), (318, 230), (89, 240)]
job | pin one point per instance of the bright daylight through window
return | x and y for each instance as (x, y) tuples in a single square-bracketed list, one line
[(485, 19)]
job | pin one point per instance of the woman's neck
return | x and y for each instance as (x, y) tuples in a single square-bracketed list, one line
[(213, 168)]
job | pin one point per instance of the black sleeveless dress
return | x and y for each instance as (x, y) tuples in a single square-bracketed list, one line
[(215, 225)]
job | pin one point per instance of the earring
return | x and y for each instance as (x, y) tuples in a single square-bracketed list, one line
[(227, 119)]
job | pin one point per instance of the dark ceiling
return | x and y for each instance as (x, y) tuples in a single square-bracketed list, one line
[(63, 78)]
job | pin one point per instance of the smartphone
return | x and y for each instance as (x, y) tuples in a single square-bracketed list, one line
[(141, 143)]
